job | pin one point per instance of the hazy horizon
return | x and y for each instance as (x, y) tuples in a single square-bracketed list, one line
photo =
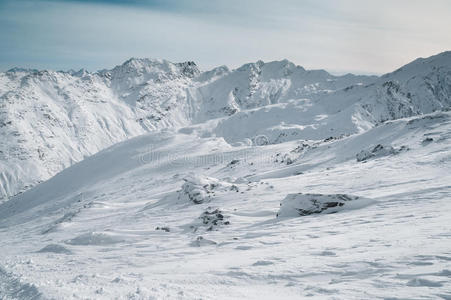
[(341, 37)]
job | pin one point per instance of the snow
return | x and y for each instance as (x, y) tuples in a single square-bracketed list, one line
[(94, 238), (55, 248), (189, 207)]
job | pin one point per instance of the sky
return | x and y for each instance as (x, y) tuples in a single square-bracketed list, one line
[(341, 36)]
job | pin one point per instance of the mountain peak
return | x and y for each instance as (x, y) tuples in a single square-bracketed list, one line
[(155, 68), (188, 68)]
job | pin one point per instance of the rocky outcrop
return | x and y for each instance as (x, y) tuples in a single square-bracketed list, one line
[(295, 205), (378, 151)]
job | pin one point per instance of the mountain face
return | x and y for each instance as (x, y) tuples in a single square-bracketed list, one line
[(50, 120)]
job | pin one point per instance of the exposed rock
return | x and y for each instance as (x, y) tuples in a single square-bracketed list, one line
[(165, 228), (286, 158), (233, 163), (295, 205), (200, 189), (213, 218), (378, 151), (234, 188), (427, 141)]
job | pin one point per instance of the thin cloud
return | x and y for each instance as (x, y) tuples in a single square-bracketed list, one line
[(340, 36)]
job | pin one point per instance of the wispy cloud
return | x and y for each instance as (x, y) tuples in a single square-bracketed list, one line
[(340, 35)]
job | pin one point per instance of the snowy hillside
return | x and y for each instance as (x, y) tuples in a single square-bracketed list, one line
[(50, 120), (181, 216)]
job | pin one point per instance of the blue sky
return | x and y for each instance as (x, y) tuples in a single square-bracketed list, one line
[(337, 35)]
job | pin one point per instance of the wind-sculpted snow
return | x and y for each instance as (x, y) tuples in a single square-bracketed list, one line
[(55, 248), (95, 238), (177, 214)]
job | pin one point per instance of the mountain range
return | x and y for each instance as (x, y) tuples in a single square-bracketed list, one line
[(50, 120)]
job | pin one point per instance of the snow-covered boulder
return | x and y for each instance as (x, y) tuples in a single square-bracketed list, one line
[(295, 205), (378, 151), (210, 220), (200, 189)]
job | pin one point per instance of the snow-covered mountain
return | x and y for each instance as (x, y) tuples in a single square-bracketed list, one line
[(157, 180), (50, 120), (422, 86)]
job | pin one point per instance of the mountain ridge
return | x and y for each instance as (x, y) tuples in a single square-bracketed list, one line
[(52, 119)]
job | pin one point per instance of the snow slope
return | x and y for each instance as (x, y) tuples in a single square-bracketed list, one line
[(124, 223)]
